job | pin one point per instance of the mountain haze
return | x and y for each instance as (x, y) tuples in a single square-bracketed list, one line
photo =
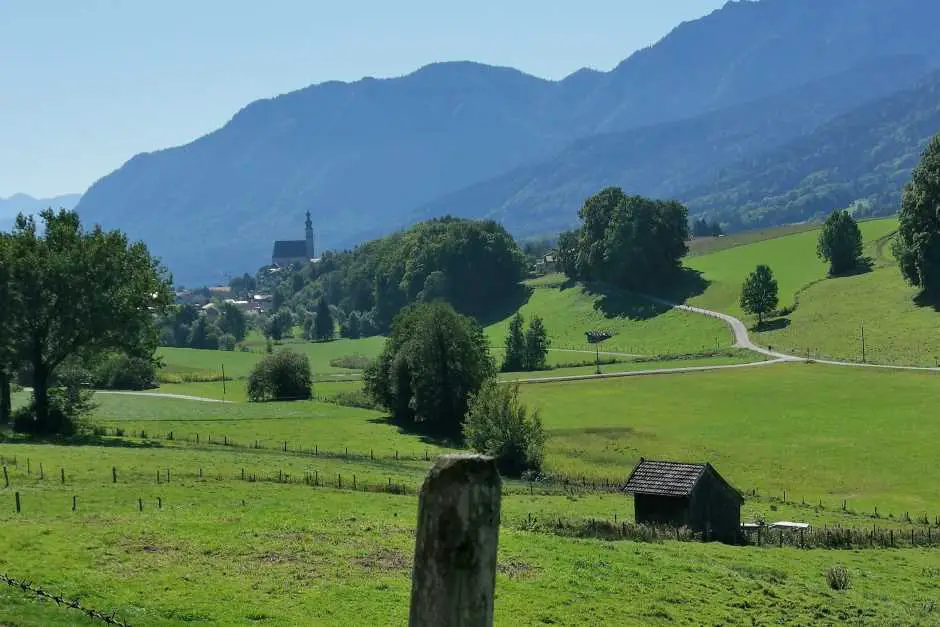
[(363, 156), (664, 160), (23, 203)]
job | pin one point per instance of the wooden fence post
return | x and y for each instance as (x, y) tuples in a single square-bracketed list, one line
[(74, 503), (17, 502), (6, 478), (454, 576), (113, 474)]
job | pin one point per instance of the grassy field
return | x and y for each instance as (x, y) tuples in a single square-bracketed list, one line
[(224, 551), (819, 432), (639, 327)]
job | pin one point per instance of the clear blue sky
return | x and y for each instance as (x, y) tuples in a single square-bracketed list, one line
[(86, 84)]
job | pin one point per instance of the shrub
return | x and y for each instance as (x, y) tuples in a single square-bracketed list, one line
[(498, 424), (227, 342), (283, 376), (120, 372), (67, 407), (354, 398), (838, 578)]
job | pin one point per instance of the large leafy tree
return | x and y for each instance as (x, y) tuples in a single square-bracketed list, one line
[(627, 241), (759, 293), (232, 320), (840, 242), (80, 291), (434, 360), (917, 247)]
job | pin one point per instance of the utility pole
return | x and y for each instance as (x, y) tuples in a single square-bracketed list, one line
[(863, 342)]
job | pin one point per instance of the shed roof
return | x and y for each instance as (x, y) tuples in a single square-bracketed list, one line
[(676, 479), (290, 249), (664, 478)]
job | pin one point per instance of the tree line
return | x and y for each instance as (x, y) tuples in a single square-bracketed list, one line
[(470, 264)]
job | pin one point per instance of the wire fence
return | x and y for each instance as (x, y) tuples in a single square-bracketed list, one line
[(27, 587)]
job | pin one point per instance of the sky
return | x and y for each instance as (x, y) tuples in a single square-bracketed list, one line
[(87, 84)]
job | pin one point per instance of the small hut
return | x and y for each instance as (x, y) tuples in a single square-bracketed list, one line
[(686, 495)]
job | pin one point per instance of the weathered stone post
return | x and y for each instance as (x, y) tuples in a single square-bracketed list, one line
[(455, 546)]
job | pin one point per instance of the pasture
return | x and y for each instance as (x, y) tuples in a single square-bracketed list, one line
[(792, 258), (219, 549), (639, 326)]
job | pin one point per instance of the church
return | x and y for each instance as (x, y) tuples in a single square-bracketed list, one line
[(294, 252)]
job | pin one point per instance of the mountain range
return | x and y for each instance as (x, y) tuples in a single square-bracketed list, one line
[(705, 115), (23, 203)]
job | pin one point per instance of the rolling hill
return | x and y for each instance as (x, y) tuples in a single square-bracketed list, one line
[(362, 156), (23, 203)]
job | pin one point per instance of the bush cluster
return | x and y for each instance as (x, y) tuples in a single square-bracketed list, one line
[(282, 376)]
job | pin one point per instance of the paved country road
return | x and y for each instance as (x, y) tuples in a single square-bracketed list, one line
[(743, 340)]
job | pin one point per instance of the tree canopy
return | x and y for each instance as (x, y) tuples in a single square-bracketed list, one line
[(759, 293), (917, 247), (78, 291), (433, 361), (627, 241), (840, 242), (469, 264)]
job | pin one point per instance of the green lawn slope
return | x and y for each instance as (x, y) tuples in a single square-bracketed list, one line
[(639, 327)]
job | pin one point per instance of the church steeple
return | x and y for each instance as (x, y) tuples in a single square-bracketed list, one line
[(311, 250)]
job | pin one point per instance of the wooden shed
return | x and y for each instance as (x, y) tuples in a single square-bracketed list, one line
[(686, 495)]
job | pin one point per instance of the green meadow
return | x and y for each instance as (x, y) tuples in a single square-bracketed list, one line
[(286, 552), (792, 258)]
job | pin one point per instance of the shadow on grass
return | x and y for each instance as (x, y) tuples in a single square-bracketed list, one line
[(427, 433), (81, 440), (618, 303), (490, 313), (771, 325), (928, 299), (864, 266)]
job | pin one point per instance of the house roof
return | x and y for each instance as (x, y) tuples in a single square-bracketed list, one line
[(290, 249)]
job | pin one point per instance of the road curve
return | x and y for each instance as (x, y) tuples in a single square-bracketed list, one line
[(743, 340)]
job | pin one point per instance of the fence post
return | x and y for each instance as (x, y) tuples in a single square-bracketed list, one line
[(62, 472), (17, 502), (454, 576), (113, 474), (74, 503), (6, 478)]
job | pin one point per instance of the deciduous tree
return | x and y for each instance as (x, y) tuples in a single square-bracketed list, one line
[(840, 242), (433, 361), (323, 325), (80, 291), (917, 247), (759, 293)]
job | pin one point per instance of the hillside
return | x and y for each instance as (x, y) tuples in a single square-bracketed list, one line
[(902, 327), (863, 157), (662, 161), (362, 156)]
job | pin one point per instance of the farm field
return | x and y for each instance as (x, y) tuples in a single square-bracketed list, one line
[(285, 553)]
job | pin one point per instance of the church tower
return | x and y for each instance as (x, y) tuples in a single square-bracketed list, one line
[(311, 250)]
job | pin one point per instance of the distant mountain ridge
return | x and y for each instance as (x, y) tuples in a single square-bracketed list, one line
[(362, 156), (665, 160), (24, 203)]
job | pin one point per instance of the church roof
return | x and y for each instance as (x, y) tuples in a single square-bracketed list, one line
[(290, 249)]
